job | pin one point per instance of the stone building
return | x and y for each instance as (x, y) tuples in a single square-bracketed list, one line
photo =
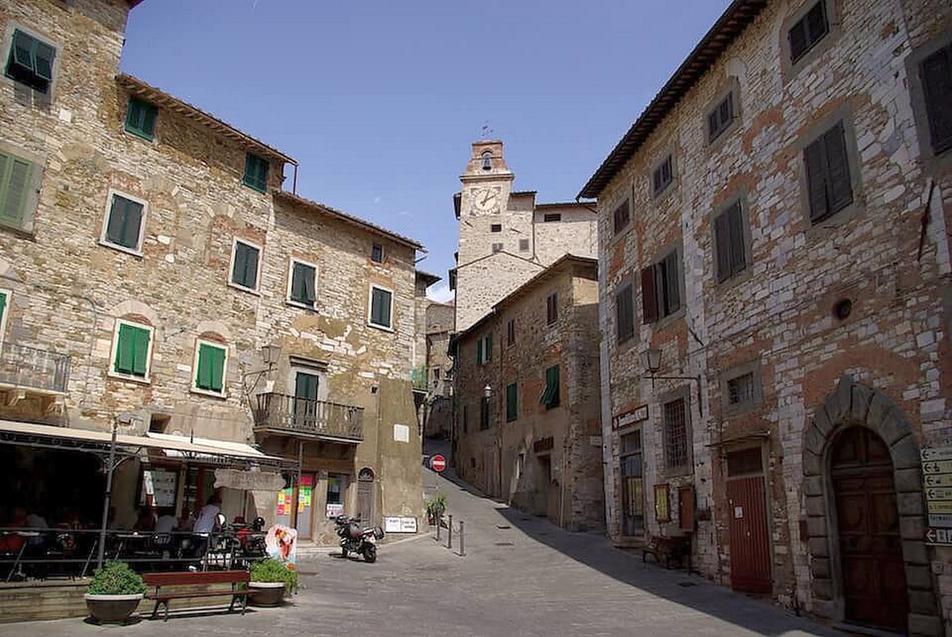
[(154, 275), (505, 237), (527, 382), (439, 329), (774, 275)]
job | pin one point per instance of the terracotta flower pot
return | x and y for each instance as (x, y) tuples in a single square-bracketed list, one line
[(112, 609), (266, 593)]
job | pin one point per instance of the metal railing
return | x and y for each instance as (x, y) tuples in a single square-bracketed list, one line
[(302, 415), (33, 368)]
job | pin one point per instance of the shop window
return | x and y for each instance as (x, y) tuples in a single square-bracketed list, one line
[(550, 396), (730, 245), (336, 487), (676, 451), (381, 307), (302, 279), (625, 313), (132, 351), (210, 363), (31, 61), (808, 31), (512, 402), (256, 172), (125, 223), (140, 118), (17, 191), (661, 288), (552, 308), (245, 265), (827, 167)]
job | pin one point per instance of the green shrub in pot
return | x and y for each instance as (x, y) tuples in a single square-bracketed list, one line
[(116, 578), (275, 571)]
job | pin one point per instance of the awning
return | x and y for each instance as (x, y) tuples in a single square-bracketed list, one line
[(170, 445)]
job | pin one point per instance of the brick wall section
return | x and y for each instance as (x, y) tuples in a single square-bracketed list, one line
[(564, 483), (780, 312)]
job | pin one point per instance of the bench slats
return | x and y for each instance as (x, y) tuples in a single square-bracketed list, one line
[(186, 578)]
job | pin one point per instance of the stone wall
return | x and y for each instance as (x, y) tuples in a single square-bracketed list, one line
[(778, 315)]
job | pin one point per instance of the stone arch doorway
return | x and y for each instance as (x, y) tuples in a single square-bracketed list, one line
[(852, 415)]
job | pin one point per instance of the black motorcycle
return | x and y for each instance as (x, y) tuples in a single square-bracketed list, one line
[(355, 539)]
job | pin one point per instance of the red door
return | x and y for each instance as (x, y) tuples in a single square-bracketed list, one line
[(750, 547), (874, 576)]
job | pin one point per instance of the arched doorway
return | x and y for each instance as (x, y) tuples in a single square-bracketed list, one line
[(870, 544), (365, 496)]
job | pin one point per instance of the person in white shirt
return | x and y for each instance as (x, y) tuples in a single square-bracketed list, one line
[(207, 519)]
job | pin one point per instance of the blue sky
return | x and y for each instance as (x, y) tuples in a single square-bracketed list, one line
[(378, 100)]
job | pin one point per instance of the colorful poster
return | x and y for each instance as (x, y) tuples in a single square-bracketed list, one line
[(281, 543), (284, 502), (304, 496)]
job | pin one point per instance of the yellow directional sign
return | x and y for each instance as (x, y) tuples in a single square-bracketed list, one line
[(937, 466), (937, 480), (939, 506)]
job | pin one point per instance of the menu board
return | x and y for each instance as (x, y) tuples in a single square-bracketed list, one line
[(159, 487)]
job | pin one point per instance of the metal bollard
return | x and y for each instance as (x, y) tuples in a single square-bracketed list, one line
[(439, 523), (449, 534), (462, 551)]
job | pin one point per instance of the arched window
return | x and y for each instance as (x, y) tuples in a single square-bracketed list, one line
[(487, 160)]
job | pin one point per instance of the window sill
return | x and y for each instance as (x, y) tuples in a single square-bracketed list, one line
[(667, 321), (140, 380), (209, 393), (382, 328), (139, 135), (303, 306), (263, 191), (114, 246), (244, 289), (839, 219), (733, 280)]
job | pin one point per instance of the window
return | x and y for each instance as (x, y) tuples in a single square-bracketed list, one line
[(729, 244), (936, 74), (720, 118), (452, 277), (497, 247), (376, 253), (487, 160), (31, 61), (740, 390), (828, 174), (4, 304), (17, 191), (675, 436), (807, 31), (210, 361), (511, 333), (245, 263), (124, 225), (484, 349), (484, 413), (140, 118), (549, 217), (744, 462), (336, 486), (131, 353), (661, 288), (630, 458), (550, 396), (381, 307), (621, 217), (625, 313), (663, 176), (256, 172), (302, 279), (496, 227), (523, 245), (512, 402), (436, 373), (552, 308)]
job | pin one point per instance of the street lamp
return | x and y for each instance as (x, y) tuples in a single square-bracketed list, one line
[(651, 360), (270, 355), (487, 392)]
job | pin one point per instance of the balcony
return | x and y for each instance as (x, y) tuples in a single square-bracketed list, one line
[(289, 415), (29, 371)]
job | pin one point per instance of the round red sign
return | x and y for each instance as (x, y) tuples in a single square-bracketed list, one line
[(438, 463)]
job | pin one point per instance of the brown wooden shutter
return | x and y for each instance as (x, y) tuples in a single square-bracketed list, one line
[(722, 246), (936, 74), (841, 190), (649, 295), (738, 256), (814, 159), (672, 290)]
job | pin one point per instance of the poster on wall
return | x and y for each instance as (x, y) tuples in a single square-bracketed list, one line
[(284, 502), (662, 504), (281, 543), (158, 487), (333, 510), (306, 491)]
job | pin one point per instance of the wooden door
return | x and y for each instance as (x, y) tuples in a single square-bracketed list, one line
[(873, 572), (747, 512), (365, 497)]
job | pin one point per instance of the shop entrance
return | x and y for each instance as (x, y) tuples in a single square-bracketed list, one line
[(747, 512)]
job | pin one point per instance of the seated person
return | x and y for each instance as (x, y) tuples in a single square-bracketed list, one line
[(146, 520), (164, 526)]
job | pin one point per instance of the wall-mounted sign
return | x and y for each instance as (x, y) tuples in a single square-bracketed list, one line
[(396, 524), (937, 485), (630, 417), (401, 433), (248, 480), (158, 487)]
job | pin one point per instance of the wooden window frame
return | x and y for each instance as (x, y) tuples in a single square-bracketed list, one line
[(290, 301), (245, 179), (510, 332), (497, 247), (817, 130), (374, 247), (133, 130), (370, 306), (231, 265), (555, 399), (720, 278), (790, 68), (523, 245), (551, 217), (652, 278), (195, 389), (626, 217), (629, 284), (495, 227), (145, 380), (659, 191), (103, 239)]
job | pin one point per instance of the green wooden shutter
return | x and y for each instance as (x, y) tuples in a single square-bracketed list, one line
[(126, 362), (141, 352), (305, 386), (211, 367), (245, 270), (489, 346), (140, 118), (479, 351), (554, 400), (3, 308), (380, 307), (132, 224)]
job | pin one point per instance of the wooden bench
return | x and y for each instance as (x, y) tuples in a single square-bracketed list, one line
[(238, 580), (670, 548)]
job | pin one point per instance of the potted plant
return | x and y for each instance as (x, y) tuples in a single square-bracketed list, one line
[(435, 508), (114, 593), (270, 580)]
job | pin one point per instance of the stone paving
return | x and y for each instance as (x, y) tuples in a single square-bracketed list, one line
[(520, 576)]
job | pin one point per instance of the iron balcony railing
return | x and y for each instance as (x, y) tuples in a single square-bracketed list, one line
[(24, 367), (302, 415)]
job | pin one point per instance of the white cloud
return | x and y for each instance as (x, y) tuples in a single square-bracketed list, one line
[(377, 199), (441, 293)]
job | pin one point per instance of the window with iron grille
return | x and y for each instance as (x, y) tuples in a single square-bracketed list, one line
[(511, 333), (720, 118), (484, 413), (621, 217), (828, 174), (625, 312), (552, 308), (729, 243), (740, 390), (936, 74), (662, 176), (661, 288), (552, 216), (676, 457), (808, 31)]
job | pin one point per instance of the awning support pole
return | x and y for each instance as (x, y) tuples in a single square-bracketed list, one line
[(108, 496), (297, 491)]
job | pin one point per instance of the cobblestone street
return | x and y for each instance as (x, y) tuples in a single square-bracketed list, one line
[(520, 576)]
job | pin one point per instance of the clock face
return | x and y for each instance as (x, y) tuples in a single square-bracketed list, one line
[(486, 199)]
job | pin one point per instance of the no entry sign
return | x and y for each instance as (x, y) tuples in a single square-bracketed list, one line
[(438, 463)]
